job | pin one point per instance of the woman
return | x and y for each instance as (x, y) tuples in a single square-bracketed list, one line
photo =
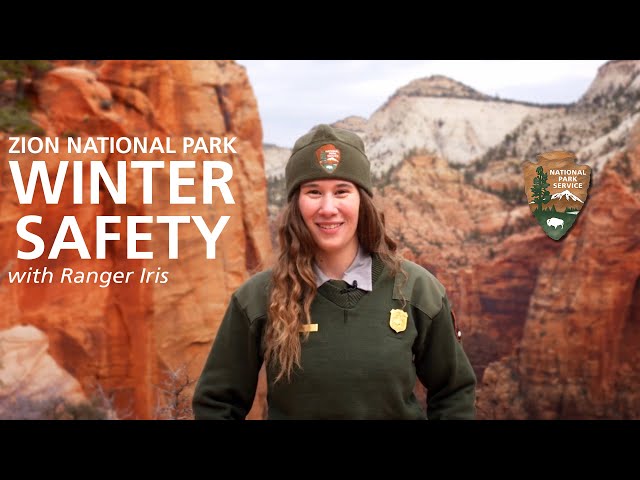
[(344, 324)]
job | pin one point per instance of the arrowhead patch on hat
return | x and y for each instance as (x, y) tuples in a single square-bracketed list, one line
[(328, 157), (556, 189)]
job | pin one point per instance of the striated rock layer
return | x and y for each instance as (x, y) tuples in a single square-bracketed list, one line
[(577, 357)]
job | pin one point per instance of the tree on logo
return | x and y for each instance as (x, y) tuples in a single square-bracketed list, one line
[(540, 193)]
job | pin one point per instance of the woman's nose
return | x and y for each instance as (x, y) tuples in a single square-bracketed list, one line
[(328, 205)]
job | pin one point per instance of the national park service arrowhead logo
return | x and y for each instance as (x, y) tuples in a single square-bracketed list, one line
[(328, 157), (556, 189)]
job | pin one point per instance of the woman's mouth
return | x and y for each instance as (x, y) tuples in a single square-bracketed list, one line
[(329, 227)]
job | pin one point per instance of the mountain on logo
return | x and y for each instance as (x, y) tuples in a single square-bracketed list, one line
[(567, 194)]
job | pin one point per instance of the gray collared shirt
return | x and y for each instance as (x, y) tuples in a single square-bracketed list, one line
[(359, 271)]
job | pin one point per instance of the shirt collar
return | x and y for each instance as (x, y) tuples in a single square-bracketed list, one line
[(359, 271)]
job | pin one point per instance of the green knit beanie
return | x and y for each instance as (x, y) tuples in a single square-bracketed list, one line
[(328, 152)]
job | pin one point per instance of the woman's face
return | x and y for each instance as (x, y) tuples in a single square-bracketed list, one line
[(330, 211)]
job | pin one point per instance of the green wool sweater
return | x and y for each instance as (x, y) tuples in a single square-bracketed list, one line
[(355, 366)]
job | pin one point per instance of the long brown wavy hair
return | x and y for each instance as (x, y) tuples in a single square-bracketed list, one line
[(294, 282)]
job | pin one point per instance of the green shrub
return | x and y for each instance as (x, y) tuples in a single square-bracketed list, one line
[(14, 119)]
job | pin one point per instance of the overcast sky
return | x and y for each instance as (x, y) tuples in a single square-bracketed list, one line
[(295, 95)]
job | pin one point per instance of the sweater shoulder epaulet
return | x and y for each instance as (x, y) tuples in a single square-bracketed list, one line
[(422, 289), (253, 295)]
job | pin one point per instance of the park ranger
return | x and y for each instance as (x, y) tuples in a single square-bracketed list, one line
[(343, 323)]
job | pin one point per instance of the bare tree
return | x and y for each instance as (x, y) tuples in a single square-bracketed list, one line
[(106, 402), (174, 402)]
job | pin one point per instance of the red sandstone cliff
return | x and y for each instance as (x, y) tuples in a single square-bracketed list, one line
[(126, 336)]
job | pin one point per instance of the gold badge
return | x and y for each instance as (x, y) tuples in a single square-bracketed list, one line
[(309, 327), (398, 320)]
